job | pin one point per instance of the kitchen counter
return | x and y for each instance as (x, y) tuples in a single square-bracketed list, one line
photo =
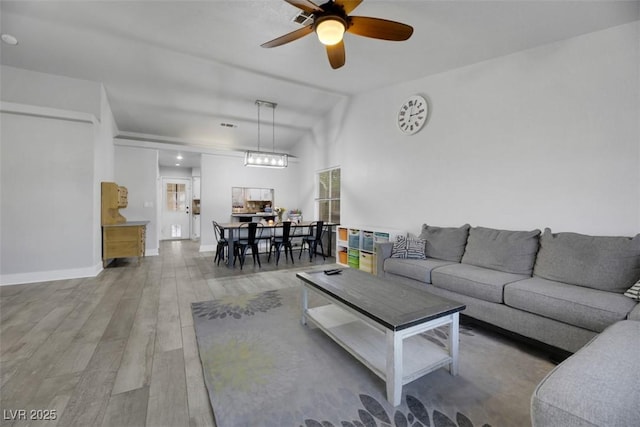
[(248, 217)]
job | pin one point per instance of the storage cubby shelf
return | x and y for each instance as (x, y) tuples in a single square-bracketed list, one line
[(355, 245)]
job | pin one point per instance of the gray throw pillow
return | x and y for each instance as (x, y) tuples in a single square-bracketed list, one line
[(446, 243), (599, 262), (502, 250)]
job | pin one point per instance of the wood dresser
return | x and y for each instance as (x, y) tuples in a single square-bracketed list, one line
[(120, 238)]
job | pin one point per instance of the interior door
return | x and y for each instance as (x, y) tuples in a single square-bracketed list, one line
[(176, 218)]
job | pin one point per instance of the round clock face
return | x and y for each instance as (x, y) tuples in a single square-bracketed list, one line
[(413, 114)]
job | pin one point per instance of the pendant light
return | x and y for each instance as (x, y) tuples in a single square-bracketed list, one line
[(266, 159)]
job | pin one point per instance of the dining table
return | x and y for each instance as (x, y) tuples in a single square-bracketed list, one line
[(231, 231)]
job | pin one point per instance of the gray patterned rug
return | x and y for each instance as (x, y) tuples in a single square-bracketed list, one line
[(263, 368)]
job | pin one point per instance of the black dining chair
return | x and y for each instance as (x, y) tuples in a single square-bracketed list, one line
[(223, 243), (252, 233), (280, 241), (313, 239)]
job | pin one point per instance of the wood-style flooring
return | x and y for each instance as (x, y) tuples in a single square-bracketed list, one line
[(118, 349)]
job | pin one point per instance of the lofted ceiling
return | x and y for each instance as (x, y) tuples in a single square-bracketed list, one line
[(174, 71)]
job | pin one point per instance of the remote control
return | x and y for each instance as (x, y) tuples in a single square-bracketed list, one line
[(332, 272)]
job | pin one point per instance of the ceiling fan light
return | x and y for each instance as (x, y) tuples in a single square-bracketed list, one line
[(330, 31)]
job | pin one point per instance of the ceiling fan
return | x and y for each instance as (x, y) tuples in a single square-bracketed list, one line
[(331, 20)]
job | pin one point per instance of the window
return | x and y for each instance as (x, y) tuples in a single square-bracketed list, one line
[(329, 195), (176, 197)]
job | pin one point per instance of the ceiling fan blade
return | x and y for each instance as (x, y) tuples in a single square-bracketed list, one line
[(379, 28), (336, 55), (348, 5), (305, 5), (289, 37)]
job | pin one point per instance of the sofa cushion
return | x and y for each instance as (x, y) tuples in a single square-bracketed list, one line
[(597, 386), (446, 243), (503, 250), (607, 263), (477, 282), (417, 269), (407, 247), (590, 309)]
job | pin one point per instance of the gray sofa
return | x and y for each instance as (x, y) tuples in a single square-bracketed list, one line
[(597, 386), (561, 289)]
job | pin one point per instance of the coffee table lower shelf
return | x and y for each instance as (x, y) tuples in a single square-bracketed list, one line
[(369, 344)]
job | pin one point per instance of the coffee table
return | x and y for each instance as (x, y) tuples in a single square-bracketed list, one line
[(378, 320)]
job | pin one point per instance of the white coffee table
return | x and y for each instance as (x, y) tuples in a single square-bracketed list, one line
[(378, 320)]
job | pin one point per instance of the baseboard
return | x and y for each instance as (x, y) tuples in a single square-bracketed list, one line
[(207, 248), (47, 276)]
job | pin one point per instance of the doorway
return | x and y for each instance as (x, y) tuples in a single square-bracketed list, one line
[(176, 218)]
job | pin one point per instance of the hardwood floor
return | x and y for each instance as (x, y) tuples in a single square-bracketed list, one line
[(118, 349)]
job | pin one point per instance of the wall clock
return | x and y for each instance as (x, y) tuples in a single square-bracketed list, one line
[(413, 114)]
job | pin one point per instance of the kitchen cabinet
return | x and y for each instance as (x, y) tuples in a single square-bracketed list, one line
[(196, 187), (250, 200)]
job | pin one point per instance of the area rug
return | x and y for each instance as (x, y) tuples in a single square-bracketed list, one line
[(262, 367)]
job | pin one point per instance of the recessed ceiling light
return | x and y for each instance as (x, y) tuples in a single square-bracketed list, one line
[(179, 157), (177, 164), (9, 39)]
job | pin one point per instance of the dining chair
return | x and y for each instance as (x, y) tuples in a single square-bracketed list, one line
[(278, 241), (313, 239), (223, 243), (253, 233)]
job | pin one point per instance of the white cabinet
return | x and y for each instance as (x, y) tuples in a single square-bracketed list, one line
[(196, 187), (355, 246)]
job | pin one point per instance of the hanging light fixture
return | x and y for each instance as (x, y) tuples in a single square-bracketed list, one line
[(266, 159)]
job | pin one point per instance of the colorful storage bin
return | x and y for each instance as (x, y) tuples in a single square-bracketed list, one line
[(366, 262), (354, 258), (354, 238), (343, 257)]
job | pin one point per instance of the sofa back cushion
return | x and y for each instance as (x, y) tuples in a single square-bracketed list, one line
[(446, 243), (598, 262), (502, 250)]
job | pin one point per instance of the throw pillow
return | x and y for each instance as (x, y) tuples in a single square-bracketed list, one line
[(446, 243), (634, 292), (408, 248)]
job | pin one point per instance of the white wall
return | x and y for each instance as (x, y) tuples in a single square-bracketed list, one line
[(544, 137), (219, 173), (137, 169), (175, 172), (53, 130), (47, 195), (48, 90), (102, 165)]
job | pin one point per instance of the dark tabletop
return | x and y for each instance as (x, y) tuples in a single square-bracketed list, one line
[(394, 305)]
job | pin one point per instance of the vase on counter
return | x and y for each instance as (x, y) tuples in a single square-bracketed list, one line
[(297, 218), (279, 216)]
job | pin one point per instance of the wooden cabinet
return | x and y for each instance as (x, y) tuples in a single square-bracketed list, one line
[(120, 239), (123, 240), (114, 198)]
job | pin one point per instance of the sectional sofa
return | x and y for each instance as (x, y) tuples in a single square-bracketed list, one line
[(567, 290), (561, 289)]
